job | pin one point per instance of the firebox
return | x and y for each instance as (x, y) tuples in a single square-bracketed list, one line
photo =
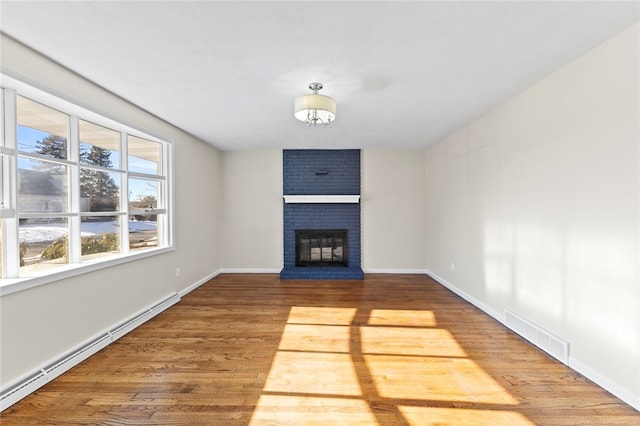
[(321, 247)]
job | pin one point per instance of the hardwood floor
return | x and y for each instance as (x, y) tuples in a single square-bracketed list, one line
[(254, 350)]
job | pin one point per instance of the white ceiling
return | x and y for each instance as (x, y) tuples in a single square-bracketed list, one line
[(404, 74)]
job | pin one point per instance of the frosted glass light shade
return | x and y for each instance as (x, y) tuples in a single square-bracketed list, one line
[(314, 106)]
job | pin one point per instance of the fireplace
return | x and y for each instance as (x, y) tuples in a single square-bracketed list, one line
[(321, 215), (321, 247)]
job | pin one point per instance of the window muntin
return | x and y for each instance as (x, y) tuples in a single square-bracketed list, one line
[(7, 165), (2, 182), (5, 185), (145, 156), (41, 130)]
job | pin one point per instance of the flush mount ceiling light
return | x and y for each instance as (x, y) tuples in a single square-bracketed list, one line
[(315, 108)]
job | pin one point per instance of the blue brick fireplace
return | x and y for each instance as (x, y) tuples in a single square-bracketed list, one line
[(322, 179)]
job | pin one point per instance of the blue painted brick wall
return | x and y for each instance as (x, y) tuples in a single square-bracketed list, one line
[(322, 172)]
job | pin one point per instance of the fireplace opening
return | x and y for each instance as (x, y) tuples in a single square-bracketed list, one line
[(321, 247)]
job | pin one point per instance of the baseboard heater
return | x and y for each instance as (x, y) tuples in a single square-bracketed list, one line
[(553, 345), (33, 382)]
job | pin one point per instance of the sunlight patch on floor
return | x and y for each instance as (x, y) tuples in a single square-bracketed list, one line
[(327, 367), (304, 410), (313, 373), (432, 416), (321, 315), (409, 341), (438, 379), (315, 338), (402, 317)]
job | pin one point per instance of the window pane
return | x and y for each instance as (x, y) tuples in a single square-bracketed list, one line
[(41, 129), (143, 232), (100, 236), (42, 186), (144, 156), (99, 146), (99, 191), (143, 193), (44, 243)]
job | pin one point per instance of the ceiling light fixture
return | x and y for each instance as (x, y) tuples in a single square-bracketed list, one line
[(315, 108)]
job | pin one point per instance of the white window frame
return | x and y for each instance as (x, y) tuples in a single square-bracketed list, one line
[(11, 281)]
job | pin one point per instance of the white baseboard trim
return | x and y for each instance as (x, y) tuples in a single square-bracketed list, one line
[(365, 270), (395, 271), (624, 394), (33, 381), (197, 284), (250, 271), (54, 368), (466, 296)]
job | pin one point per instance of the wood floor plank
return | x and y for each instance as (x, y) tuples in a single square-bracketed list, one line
[(254, 350)]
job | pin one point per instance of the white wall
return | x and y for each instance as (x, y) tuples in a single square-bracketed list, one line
[(535, 208), (393, 189), (252, 211), (393, 209), (42, 323)]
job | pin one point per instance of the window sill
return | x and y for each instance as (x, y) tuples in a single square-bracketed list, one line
[(15, 285)]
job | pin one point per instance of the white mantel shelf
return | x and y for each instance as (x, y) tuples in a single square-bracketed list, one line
[(321, 199)]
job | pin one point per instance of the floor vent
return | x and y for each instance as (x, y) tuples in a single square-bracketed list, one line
[(546, 341), (24, 387)]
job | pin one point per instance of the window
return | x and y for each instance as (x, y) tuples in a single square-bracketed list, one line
[(78, 189)]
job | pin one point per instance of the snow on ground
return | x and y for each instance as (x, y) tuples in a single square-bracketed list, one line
[(33, 233)]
